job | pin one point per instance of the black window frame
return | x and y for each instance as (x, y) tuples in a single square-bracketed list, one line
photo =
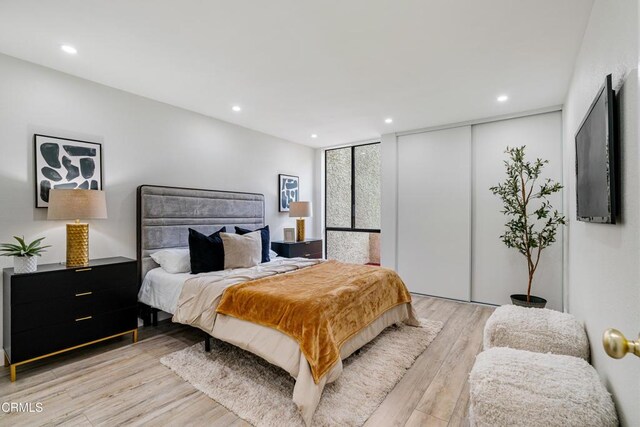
[(353, 227)]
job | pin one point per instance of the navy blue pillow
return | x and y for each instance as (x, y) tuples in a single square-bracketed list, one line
[(206, 252), (266, 240)]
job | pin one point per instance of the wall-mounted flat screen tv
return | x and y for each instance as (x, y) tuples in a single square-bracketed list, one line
[(595, 159)]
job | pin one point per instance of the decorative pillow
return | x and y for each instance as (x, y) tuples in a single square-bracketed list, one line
[(206, 252), (173, 260), (242, 251), (266, 240)]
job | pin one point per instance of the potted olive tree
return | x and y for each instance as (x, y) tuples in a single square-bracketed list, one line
[(24, 254), (531, 221)]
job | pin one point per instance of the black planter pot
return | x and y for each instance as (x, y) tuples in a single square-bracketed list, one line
[(521, 300)]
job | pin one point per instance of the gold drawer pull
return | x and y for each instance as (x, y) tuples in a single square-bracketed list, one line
[(307, 254), (83, 294), (83, 318), (83, 269)]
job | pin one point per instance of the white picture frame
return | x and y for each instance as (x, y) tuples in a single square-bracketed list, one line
[(288, 191), (289, 234)]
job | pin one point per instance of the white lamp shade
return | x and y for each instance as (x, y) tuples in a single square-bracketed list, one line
[(300, 209), (77, 204)]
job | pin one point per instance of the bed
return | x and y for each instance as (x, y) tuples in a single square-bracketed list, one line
[(164, 216)]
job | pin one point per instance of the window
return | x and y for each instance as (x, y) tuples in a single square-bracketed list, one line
[(352, 203)]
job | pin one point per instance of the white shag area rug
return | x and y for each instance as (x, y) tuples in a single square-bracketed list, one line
[(261, 393)]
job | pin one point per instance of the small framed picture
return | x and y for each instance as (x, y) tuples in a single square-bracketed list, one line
[(289, 234), (288, 190), (65, 163)]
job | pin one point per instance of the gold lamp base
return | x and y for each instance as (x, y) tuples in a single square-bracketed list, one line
[(299, 229), (77, 245)]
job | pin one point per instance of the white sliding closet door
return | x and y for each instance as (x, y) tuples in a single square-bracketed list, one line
[(497, 270), (434, 212)]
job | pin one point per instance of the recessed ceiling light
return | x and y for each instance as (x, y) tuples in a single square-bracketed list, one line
[(503, 98), (313, 135), (388, 120), (67, 48), (236, 108)]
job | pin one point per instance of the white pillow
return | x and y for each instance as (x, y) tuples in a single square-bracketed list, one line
[(272, 254), (242, 251), (173, 260)]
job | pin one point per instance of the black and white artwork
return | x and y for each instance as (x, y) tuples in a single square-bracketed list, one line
[(289, 191), (65, 163)]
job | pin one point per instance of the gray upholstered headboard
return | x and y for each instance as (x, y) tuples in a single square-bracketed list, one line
[(165, 214)]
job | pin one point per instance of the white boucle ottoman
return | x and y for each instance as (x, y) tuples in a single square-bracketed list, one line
[(520, 388), (536, 329)]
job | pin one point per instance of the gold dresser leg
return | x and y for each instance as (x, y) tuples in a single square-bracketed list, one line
[(12, 376), (135, 336)]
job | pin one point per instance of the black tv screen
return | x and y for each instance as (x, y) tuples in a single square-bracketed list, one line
[(595, 160)]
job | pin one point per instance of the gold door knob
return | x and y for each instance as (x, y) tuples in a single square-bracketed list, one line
[(617, 345)]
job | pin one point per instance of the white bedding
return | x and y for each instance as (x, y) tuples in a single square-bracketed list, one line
[(161, 290)]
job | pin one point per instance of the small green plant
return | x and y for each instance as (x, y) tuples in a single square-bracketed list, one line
[(22, 248), (532, 224)]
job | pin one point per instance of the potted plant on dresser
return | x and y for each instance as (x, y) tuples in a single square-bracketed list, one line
[(24, 254), (532, 223)]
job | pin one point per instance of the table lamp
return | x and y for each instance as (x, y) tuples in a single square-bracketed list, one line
[(77, 204), (301, 210)]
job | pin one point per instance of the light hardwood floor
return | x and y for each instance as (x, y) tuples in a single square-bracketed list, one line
[(117, 383)]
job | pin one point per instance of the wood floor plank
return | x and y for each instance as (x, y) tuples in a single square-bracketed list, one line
[(55, 407), (441, 396), (121, 405), (193, 410), (459, 417), (403, 399), (420, 419), (117, 382), (74, 420)]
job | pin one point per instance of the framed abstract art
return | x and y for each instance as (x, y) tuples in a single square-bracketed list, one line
[(289, 191), (67, 164)]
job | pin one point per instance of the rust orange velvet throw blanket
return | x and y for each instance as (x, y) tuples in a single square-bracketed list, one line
[(320, 307)]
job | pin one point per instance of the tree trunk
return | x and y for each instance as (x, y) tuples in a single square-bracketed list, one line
[(529, 286)]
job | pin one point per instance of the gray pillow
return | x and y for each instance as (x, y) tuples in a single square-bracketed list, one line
[(242, 251)]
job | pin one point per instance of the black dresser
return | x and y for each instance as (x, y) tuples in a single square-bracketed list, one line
[(57, 309), (309, 248)]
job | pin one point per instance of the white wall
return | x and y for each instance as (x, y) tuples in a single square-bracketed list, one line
[(388, 200), (144, 142), (603, 261)]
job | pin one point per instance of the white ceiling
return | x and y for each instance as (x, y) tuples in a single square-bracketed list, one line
[(333, 67)]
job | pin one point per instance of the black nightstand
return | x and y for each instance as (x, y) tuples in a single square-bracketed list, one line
[(308, 248), (57, 309)]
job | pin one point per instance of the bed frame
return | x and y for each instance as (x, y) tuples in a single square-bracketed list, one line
[(165, 214)]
